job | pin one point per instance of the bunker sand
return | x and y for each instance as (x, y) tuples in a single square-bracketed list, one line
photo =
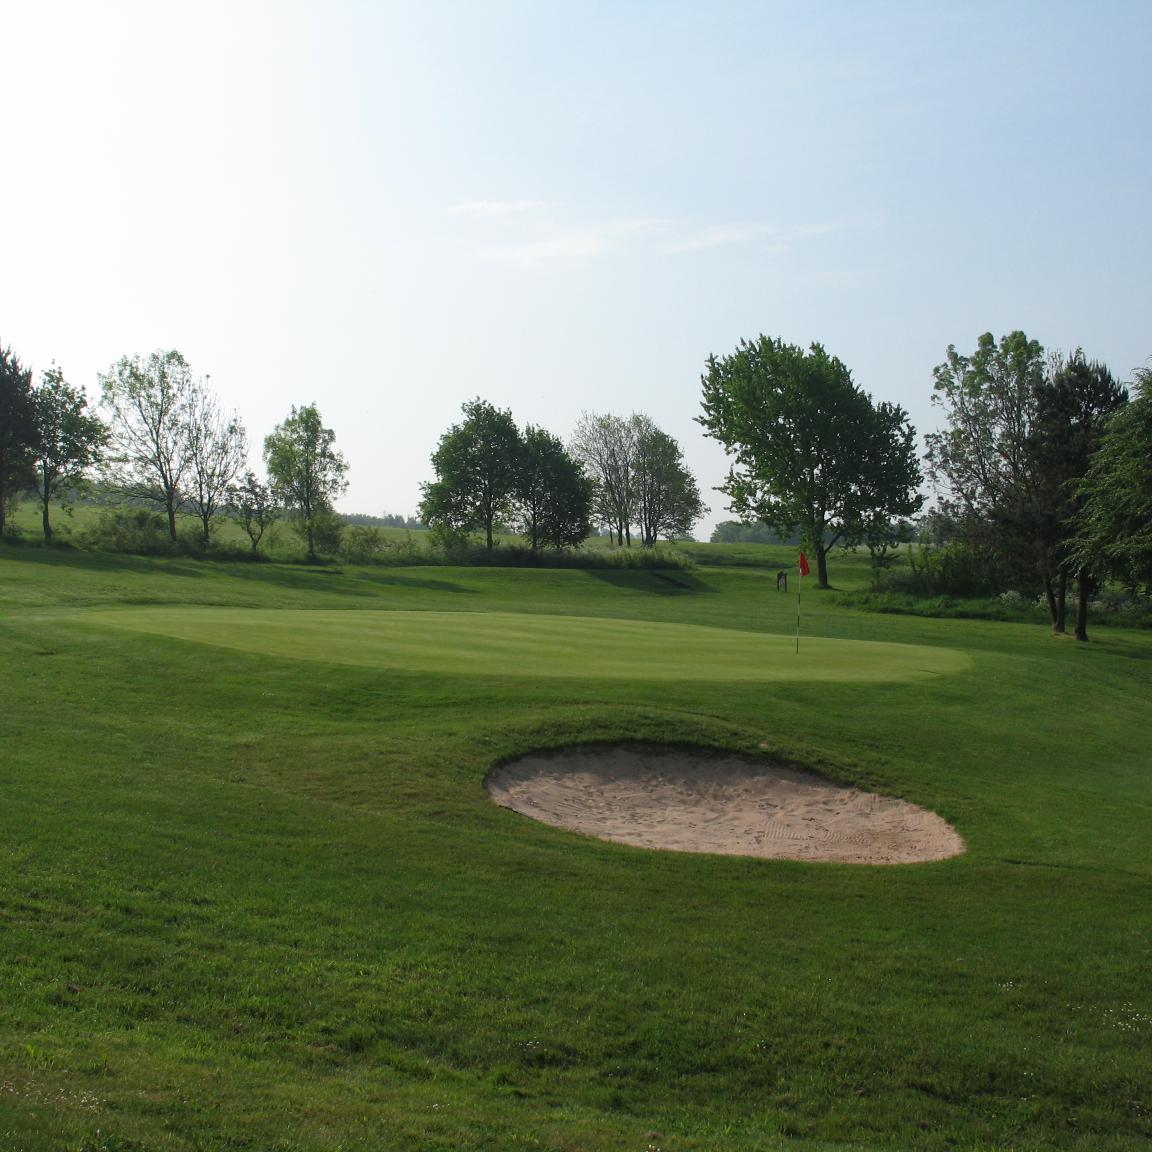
[(696, 800)]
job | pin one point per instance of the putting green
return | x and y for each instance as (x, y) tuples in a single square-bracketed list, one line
[(514, 644)]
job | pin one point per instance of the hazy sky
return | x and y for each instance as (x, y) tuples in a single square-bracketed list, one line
[(390, 208)]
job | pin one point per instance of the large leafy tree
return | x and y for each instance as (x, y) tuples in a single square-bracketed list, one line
[(982, 462), (70, 440), (1020, 432), (1073, 404), (553, 497), (150, 405), (811, 450), (477, 465), (17, 429), (1114, 522), (668, 499), (305, 470)]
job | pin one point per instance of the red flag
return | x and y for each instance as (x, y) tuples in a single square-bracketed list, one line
[(804, 569)]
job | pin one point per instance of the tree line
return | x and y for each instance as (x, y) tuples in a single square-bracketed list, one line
[(162, 438), (1043, 470), (622, 472)]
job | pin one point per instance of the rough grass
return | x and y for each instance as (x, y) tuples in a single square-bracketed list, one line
[(249, 899)]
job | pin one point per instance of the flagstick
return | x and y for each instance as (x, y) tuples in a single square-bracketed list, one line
[(799, 585)]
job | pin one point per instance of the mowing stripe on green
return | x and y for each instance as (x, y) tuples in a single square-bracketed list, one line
[(512, 644)]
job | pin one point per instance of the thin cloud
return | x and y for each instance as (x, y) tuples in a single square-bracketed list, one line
[(565, 244), (485, 209), (529, 235), (723, 235)]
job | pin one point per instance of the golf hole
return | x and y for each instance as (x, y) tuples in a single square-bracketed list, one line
[(702, 800)]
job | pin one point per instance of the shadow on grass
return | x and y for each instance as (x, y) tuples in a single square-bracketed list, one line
[(302, 577), (335, 579), (656, 582), (65, 556)]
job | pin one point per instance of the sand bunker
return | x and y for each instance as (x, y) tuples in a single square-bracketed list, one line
[(696, 800)]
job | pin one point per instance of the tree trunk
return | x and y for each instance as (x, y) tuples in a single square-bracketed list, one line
[(1083, 587), (1050, 597), (45, 518), (821, 565), (1057, 598), (170, 508)]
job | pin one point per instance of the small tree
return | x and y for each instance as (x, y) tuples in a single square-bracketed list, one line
[(553, 499), (305, 470), (668, 499), (606, 446), (811, 450), (218, 451), (252, 506), (477, 464), (150, 406), (17, 429), (1114, 524), (70, 441)]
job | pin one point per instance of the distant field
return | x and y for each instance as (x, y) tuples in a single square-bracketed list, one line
[(254, 895)]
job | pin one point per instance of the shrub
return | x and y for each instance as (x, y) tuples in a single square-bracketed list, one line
[(136, 530)]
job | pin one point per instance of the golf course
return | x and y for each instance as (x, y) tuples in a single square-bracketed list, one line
[(254, 893)]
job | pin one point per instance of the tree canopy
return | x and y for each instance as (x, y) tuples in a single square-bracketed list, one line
[(1021, 430), (639, 477), (17, 429), (477, 464), (149, 405), (1114, 523), (811, 450), (553, 497), (305, 470), (70, 440), (668, 502), (218, 452)]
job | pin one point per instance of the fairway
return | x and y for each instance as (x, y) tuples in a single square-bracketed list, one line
[(514, 644), (255, 892)]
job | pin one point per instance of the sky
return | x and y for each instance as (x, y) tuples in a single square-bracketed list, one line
[(389, 208)]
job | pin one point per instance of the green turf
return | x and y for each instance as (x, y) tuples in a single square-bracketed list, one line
[(512, 644), (254, 900)]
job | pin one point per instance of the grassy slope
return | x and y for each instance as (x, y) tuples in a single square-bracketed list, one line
[(250, 901)]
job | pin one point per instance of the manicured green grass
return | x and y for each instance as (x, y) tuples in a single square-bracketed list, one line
[(514, 644), (256, 897)]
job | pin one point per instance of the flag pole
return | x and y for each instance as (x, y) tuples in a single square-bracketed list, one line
[(803, 566), (799, 585)]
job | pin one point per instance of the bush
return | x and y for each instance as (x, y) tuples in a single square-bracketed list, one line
[(136, 530), (956, 570), (520, 556), (362, 543)]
